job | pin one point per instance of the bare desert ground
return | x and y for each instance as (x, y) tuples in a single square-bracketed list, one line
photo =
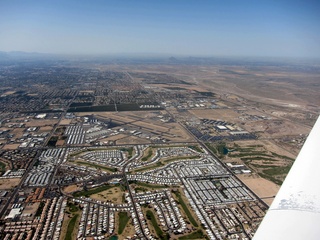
[(264, 188)]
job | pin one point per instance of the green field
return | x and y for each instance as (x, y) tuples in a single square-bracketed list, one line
[(180, 158), (93, 190), (148, 156), (211, 148), (40, 208), (129, 150), (123, 220), (71, 226), (152, 166), (72, 207), (155, 224), (196, 148), (186, 209), (264, 162), (2, 168)]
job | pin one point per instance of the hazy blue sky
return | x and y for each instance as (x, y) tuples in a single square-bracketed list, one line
[(223, 27)]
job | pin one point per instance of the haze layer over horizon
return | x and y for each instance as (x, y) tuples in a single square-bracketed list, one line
[(206, 28)]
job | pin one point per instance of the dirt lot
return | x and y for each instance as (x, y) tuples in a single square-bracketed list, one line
[(18, 132), (60, 143), (9, 183), (71, 189), (45, 129), (114, 137), (132, 140), (113, 194), (11, 146), (216, 114), (260, 186), (31, 208), (275, 128), (42, 122), (65, 121)]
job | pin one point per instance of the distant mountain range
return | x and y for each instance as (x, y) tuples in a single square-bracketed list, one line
[(21, 54)]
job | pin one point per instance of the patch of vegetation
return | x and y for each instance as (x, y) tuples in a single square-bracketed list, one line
[(247, 149), (256, 158), (93, 190), (72, 207), (207, 94), (186, 209), (124, 187), (129, 150), (77, 153), (282, 156), (271, 178), (194, 235), (180, 158), (222, 150), (272, 173), (70, 228), (211, 148), (256, 146), (253, 153), (97, 166), (123, 220), (52, 142), (152, 166), (140, 189), (196, 148), (150, 185), (158, 230), (40, 208), (277, 170), (145, 158), (81, 104), (2, 168)]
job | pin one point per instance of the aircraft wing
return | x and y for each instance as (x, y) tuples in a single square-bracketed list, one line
[(295, 211)]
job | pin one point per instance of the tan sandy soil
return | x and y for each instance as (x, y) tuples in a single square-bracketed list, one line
[(114, 137), (133, 140), (11, 146), (113, 194), (60, 143), (260, 186), (71, 189), (273, 128), (222, 114), (45, 129), (18, 132), (41, 122), (65, 121), (31, 208), (8, 183)]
